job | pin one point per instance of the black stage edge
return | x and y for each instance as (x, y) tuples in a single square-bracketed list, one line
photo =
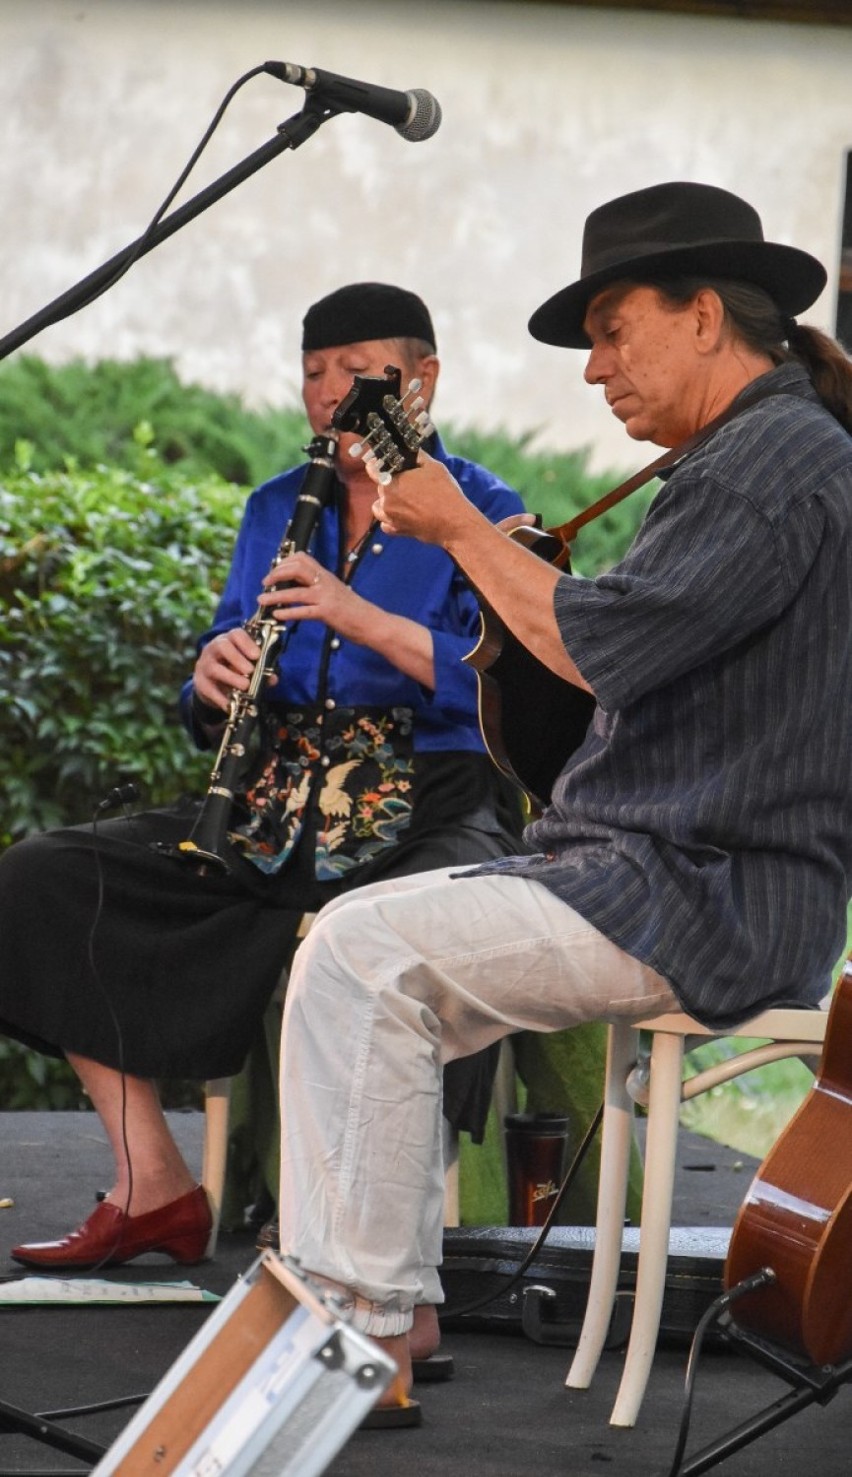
[(506, 1413)]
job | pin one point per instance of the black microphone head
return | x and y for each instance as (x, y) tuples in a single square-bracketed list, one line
[(424, 117), (123, 794)]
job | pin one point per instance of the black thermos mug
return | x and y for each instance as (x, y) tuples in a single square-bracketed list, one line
[(535, 1156)]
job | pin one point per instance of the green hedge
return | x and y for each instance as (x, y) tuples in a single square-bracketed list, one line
[(106, 578), (90, 414)]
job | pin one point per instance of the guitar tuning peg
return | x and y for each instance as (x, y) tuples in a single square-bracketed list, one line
[(390, 431)]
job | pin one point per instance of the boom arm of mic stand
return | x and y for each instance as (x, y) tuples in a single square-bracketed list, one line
[(289, 135)]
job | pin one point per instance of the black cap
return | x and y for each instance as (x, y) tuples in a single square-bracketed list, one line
[(364, 311)]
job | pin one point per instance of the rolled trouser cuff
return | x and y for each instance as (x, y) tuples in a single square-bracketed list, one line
[(378, 1320)]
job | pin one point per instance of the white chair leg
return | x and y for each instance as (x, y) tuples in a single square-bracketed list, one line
[(504, 1095), (217, 1101), (616, 1142), (450, 1151), (660, 1152)]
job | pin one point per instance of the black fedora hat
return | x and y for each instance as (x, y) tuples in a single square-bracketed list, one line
[(676, 228)]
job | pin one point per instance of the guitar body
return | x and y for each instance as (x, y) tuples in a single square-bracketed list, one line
[(797, 1216), (531, 719)]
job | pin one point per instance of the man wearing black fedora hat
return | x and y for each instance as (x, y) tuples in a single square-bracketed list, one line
[(696, 850)]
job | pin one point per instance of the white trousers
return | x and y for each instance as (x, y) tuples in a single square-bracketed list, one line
[(392, 981)]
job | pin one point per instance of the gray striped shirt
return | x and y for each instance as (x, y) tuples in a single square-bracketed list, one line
[(705, 825)]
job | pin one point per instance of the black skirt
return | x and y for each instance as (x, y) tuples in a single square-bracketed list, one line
[(114, 950)]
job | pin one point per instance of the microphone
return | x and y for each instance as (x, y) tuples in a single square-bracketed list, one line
[(119, 795), (415, 115)]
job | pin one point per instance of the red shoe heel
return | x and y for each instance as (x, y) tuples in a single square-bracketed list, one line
[(109, 1238), (186, 1249)]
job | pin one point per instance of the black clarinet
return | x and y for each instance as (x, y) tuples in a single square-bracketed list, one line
[(207, 846)]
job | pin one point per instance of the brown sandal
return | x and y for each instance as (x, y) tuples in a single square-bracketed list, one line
[(393, 1417)]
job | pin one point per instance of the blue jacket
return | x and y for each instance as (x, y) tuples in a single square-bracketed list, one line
[(399, 574)]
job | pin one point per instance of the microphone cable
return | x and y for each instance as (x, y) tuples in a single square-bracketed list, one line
[(123, 794), (141, 245)]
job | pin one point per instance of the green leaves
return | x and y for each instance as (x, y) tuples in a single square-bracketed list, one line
[(33, 1081), (85, 415), (139, 416), (106, 581)]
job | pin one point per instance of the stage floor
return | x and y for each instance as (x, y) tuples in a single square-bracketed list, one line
[(506, 1413)]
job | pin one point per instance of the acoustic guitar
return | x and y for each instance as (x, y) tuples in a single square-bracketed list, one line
[(531, 719), (797, 1216)]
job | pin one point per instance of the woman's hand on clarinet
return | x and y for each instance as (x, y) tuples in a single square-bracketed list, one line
[(225, 662), (312, 592)]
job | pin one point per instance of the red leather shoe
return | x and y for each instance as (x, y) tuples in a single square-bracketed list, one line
[(108, 1238)]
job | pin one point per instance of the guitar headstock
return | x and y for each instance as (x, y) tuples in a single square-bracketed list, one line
[(393, 425)]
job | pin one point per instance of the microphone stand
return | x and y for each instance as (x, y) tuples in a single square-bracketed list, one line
[(294, 131), (290, 134)]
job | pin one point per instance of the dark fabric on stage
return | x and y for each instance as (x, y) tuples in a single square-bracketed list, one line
[(113, 950)]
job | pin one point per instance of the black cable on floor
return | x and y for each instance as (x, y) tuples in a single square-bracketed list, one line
[(716, 1311)]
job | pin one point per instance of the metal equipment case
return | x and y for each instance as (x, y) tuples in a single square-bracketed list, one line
[(274, 1383)]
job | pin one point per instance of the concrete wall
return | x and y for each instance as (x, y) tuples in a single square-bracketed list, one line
[(547, 112)]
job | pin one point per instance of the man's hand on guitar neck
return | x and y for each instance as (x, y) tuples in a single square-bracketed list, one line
[(428, 504)]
